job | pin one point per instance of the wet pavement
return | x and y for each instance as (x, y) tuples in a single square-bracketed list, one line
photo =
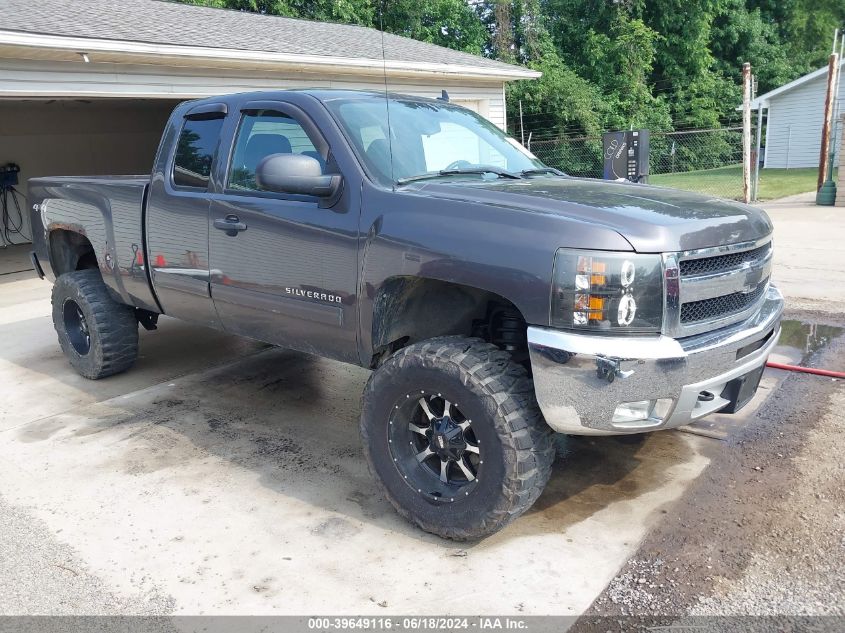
[(221, 476), (804, 338), (761, 531)]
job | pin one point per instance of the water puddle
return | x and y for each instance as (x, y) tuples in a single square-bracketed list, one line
[(799, 340), (807, 338), (592, 473)]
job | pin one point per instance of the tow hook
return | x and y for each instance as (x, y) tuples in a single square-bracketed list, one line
[(610, 369)]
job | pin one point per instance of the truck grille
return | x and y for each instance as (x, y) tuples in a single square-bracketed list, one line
[(718, 307), (717, 287), (719, 263)]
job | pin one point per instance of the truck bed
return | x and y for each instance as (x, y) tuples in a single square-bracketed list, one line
[(109, 211)]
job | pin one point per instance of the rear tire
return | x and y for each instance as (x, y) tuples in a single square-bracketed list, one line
[(463, 484), (98, 335)]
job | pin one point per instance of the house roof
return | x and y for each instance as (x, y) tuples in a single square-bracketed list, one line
[(170, 29), (792, 85)]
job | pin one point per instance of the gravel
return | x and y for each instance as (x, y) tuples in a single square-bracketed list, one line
[(762, 531), (32, 558)]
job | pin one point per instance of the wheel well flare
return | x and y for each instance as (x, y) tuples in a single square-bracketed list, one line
[(409, 309), (70, 251)]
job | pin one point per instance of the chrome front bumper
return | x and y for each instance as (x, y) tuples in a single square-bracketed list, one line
[(580, 379)]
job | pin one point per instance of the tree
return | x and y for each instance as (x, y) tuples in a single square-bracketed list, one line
[(345, 11), (450, 23), (558, 103), (804, 27), (607, 64)]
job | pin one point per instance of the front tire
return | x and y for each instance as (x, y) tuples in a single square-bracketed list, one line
[(454, 437), (98, 335)]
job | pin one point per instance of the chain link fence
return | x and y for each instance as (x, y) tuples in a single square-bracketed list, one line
[(707, 161)]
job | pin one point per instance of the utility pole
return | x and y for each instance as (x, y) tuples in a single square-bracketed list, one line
[(828, 111), (755, 153), (826, 194), (746, 132), (521, 127), (756, 188)]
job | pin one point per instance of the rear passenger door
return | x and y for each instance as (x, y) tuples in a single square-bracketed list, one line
[(283, 266), (177, 213)]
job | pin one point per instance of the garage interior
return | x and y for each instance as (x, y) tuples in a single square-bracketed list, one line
[(76, 137)]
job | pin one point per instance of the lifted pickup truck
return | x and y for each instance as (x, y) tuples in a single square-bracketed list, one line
[(496, 299)]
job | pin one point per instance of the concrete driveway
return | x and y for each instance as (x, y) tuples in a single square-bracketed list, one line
[(809, 265), (220, 476)]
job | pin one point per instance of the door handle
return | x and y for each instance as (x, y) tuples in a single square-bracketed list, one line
[(231, 224)]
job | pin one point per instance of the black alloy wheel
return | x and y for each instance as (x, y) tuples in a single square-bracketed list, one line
[(76, 327), (98, 335), (454, 437), (434, 446)]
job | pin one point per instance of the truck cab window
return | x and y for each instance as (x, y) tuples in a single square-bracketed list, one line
[(260, 135), (195, 152), (426, 137), (439, 148)]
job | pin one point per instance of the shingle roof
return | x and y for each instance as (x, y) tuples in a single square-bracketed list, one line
[(169, 23)]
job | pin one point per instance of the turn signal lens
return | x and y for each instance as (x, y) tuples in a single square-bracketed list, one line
[(598, 270)]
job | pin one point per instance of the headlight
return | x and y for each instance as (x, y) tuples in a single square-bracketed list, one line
[(600, 290)]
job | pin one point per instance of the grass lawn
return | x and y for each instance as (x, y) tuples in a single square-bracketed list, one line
[(727, 181)]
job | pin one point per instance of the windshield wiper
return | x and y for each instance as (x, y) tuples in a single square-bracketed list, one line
[(541, 170), (457, 171)]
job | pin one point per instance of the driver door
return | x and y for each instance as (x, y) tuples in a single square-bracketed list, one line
[(283, 266)]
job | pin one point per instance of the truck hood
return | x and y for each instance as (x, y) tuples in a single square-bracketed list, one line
[(652, 219)]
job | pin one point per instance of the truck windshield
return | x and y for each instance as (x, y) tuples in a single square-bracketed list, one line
[(429, 139)]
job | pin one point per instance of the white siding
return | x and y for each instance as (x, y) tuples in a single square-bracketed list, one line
[(793, 137), (51, 79), (840, 187), (108, 117)]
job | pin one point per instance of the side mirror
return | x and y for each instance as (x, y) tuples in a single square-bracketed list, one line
[(295, 173)]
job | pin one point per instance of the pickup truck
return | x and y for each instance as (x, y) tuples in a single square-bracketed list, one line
[(498, 301)]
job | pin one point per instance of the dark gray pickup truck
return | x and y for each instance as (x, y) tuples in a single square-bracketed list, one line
[(498, 301)]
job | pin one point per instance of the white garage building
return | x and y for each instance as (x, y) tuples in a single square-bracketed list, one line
[(86, 87), (795, 115)]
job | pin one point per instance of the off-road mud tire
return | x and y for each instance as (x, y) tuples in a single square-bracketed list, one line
[(112, 327), (496, 392)]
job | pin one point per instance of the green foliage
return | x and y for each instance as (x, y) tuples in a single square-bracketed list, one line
[(560, 101), (449, 23), (742, 34), (608, 64), (345, 11), (804, 28), (629, 52)]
